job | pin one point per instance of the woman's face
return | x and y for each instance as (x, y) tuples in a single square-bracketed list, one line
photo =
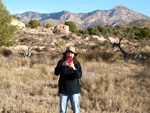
[(70, 53)]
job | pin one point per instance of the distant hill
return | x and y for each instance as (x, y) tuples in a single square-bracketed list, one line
[(139, 23), (114, 16)]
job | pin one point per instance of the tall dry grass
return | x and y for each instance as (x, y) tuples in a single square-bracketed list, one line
[(116, 87)]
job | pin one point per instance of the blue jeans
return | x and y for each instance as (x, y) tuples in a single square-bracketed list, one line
[(74, 99)]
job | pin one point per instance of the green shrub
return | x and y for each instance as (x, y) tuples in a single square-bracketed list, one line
[(18, 18), (72, 26), (107, 43), (56, 31), (7, 31), (47, 25), (62, 43), (33, 24), (27, 25)]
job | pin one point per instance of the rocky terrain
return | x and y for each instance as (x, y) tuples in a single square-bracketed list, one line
[(109, 84), (46, 40), (114, 16)]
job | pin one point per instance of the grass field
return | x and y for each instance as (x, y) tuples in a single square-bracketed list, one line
[(116, 87)]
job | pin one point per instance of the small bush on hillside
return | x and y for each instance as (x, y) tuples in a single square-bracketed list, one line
[(107, 43), (47, 26), (33, 24), (56, 31), (98, 54), (27, 25), (40, 59), (18, 18), (72, 26), (44, 70), (62, 43), (6, 52)]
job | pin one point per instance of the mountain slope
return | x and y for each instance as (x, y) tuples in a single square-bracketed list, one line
[(121, 14), (114, 16), (139, 23)]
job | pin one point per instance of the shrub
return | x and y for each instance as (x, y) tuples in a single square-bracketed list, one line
[(62, 43), (107, 43), (33, 24), (56, 31), (98, 54), (6, 52), (72, 26), (27, 25), (44, 70), (47, 25), (7, 31), (18, 18)]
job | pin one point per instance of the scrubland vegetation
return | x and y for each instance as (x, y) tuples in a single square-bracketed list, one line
[(107, 85)]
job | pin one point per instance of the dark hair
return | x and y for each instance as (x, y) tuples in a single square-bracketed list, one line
[(74, 58)]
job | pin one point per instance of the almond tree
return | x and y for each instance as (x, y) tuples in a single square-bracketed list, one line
[(125, 54)]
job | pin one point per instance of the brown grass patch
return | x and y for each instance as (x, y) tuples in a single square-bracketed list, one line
[(117, 87)]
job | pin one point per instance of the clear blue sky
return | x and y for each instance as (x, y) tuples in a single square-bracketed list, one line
[(74, 6)]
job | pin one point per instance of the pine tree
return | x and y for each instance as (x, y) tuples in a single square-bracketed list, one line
[(72, 26), (7, 31)]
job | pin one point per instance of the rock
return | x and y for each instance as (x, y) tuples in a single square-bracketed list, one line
[(92, 44), (101, 39), (114, 40), (18, 23), (20, 47), (70, 44)]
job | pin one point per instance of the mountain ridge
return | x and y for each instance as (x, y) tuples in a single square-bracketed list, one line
[(118, 14)]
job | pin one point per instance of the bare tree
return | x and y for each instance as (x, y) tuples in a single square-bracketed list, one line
[(86, 44), (125, 54), (135, 51), (28, 53)]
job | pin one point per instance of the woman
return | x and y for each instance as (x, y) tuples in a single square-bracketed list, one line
[(69, 87)]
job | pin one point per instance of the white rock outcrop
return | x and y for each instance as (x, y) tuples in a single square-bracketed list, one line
[(18, 23)]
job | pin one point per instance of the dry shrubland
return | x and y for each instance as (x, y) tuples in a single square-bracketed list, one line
[(116, 86)]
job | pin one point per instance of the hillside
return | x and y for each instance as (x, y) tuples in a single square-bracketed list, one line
[(139, 23), (109, 84), (114, 16)]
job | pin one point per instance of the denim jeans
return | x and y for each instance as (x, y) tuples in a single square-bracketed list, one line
[(74, 99)]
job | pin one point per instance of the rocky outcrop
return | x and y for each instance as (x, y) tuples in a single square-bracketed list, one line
[(18, 23)]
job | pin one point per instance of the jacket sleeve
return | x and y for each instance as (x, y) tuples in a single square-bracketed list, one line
[(58, 68), (78, 71)]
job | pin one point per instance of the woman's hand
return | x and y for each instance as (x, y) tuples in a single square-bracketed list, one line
[(72, 66), (65, 63)]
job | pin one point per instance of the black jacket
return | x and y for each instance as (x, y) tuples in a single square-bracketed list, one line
[(68, 80)]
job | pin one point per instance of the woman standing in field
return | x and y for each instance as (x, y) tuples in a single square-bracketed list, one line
[(70, 72)]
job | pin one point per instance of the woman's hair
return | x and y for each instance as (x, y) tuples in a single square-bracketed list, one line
[(74, 58)]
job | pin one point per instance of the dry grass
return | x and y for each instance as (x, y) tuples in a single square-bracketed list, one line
[(116, 87)]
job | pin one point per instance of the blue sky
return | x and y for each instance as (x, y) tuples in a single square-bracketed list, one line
[(74, 6)]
